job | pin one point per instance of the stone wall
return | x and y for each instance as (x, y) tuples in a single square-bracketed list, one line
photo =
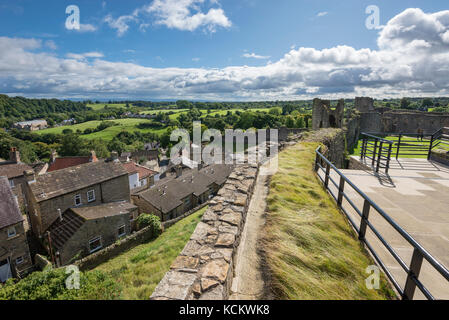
[(441, 156), (334, 141), (402, 121), (97, 258), (204, 269), (169, 223)]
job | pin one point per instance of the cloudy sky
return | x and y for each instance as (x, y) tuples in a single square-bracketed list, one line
[(224, 49)]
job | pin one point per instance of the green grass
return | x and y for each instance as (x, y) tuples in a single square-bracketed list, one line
[(403, 151), (100, 106), (107, 134), (140, 269), (310, 250)]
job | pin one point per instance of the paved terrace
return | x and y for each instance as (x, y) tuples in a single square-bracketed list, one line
[(415, 194)]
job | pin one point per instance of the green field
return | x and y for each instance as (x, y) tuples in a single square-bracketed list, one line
[(140, 269), (100, 106), (108, 133)]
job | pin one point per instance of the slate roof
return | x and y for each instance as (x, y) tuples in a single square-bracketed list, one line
[(13, 170), (168, 195), (74, 218), (56, 183), (9, 210), (218, 172)]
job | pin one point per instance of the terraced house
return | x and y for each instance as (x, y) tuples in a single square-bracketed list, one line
[(87, 184), (172, 197), (14, 253)]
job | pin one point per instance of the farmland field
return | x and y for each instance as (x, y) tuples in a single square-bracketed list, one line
[(100, 106), (108, 133)]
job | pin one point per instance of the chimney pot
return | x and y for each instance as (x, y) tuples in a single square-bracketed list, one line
[(93, 156), (14, 155), (29, 176)]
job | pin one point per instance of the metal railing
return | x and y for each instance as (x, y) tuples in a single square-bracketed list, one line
[(378, 150), (419, 253)]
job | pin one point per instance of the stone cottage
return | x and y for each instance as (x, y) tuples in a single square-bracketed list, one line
[(172, 197), (140, 177), (81, 231), (88, 184), (14, 252)]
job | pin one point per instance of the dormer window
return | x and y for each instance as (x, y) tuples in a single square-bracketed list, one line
[(11, 183)]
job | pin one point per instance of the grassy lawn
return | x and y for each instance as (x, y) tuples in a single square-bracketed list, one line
[(402, 151), (140, 269), (311, 251), (107, 134)]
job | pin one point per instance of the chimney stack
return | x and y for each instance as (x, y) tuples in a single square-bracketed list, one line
[(93, 156), (114, 156), (53, 156), (29, 176), (14, 155)]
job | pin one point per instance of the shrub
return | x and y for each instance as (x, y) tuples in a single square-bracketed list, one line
[(51, 285), (145, 220)]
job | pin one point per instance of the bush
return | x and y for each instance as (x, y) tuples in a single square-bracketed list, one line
[(51, 285), (145, 220)]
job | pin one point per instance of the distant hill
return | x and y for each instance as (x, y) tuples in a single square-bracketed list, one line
[(14, 109)]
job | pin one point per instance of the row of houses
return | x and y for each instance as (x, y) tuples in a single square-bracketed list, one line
[(76, 206), (32, 125)]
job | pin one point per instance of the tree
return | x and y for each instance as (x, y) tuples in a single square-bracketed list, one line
[(427, 102), (290, 123), (405, 103), (71, 145)]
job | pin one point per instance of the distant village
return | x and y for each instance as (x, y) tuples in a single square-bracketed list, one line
[(71, 207)]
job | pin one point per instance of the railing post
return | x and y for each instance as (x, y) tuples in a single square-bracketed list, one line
[(341, 188), (388, 158), (415, 268), (326, 178), (364, 220), (399, 146), (374, 152), (317, 158), (430, 147), (362, 151), (379, 156)]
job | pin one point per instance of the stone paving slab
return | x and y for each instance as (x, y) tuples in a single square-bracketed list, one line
[(416, 195)]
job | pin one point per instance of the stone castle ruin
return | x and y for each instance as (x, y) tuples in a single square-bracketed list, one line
[(376, 120), (326, 117)]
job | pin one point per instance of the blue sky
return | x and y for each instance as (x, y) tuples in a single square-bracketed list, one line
[(220, 49)]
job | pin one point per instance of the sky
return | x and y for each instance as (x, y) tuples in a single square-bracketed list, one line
[(224, 50)]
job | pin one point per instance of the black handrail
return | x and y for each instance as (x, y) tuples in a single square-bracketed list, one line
[(419, 253), (373, 149)]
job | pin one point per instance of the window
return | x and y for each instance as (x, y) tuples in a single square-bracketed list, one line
[(187, 201), (11, 183), (11, 232), (78, 200), (95, 244), (19, 260), (121, 231), (143, 182), (91, 195)]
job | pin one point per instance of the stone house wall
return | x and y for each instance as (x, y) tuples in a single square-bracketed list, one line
[(44, 213), (15, 247), (78, 245)]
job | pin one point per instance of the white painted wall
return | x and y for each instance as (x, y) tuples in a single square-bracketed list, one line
[(134, 181)]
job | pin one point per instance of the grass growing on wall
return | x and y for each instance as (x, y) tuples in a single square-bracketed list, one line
[(310, 250), (140, 269)]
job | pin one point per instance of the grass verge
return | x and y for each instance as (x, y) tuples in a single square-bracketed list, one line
[(310, 250), (140, 269)]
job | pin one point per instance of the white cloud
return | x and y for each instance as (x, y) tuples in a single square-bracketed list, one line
[(51, 44), (254, 56), (82, 56), (121, 24), (322, 14), (412, 59), (185, 15), (195, 59), (87, 28)]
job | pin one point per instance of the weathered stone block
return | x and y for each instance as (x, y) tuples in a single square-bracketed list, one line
[(175, 285), (225, 240), (216, 269), (185, 262)]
